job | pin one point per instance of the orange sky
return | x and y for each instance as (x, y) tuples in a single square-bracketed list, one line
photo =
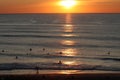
[(52, 6)]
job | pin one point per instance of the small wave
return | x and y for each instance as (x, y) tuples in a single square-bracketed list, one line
[(56, 66), (55, 55), (58, 44), (114, 59), (31, 24), (113, 38)]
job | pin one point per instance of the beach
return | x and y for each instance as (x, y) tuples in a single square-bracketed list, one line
[(83, 76)]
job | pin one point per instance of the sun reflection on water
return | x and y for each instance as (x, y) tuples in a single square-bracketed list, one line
[(68, 42), (69, 52), (68, 71), (68, 35), (68, 28), (69, 62)]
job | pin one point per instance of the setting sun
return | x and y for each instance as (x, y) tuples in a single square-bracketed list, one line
[(68, 3)]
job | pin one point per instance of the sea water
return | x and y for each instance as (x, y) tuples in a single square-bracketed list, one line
[(59, 43)]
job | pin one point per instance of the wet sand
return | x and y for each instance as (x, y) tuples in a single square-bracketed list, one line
[(82, 76)]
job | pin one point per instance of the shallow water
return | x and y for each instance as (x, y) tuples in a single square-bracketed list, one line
[(80, 41)]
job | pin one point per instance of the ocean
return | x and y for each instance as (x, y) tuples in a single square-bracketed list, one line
[(59, 43)]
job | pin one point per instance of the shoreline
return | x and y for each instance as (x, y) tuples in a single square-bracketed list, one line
[(81, 76)]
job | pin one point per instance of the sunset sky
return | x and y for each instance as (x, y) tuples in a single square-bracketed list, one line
[(54, 6)]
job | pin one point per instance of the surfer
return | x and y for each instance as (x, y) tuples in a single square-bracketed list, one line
[(60, 53), (3, 50), (30, 49), (60, 62), (43, 49), (108, 53)]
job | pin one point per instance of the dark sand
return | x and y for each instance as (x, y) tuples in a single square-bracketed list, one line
[(82, 76)]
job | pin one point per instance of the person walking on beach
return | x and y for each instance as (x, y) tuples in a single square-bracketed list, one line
[(37, 69)]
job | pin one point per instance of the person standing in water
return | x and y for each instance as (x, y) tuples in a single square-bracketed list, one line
[(30, 51), (16, 57)]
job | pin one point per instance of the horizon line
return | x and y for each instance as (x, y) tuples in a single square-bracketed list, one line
[(67, 13)]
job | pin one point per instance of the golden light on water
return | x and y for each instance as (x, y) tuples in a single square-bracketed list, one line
[(68, 19), (69, 62), (68, 35), (68, 72), (69, 52), (68, 42), (68, 28)]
